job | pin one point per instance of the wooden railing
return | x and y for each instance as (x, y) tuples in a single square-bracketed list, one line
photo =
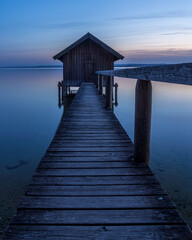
[(173, 73)]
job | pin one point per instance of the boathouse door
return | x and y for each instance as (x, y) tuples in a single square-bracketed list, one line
[(89, 71)]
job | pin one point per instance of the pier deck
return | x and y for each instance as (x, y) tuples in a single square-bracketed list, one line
[(88, 187)]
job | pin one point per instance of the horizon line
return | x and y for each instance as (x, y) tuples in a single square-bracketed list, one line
[(61, 66)]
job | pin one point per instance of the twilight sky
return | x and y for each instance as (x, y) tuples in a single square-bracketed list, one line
[(144, 31)]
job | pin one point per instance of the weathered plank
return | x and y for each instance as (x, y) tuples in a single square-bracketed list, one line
[(94, 149), (107, 202), (98, 217), (89, 154), (93, 172), (88, 158), (90, 141), (105, 232), (100, 190), (93, 180), (60, 144), (90, 137), (87, 164)]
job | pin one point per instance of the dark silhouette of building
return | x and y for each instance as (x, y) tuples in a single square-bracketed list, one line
[(83, 58)]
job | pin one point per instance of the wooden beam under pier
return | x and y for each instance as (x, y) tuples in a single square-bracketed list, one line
[(170, 73)]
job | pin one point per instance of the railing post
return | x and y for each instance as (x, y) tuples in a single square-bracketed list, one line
[(143, 103), (116, 86), (95, 82), (101, 85), (59, 93), (98, 79), (108, 95), (64, 89)]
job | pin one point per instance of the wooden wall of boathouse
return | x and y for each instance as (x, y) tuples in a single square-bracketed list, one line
[(81, 63)]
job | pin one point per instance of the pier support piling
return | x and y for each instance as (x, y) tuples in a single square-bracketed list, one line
[(116, 87), (59, 93), (109, 89), (64, 90), (98, 82), (143, 103), (101, 84)]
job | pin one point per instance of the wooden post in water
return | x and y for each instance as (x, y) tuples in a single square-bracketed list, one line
[(143, 102), (98, 81), (64, 90), (59, 94), (116, 86), (59, 90), (67, 90), (108, 95), (101, 84)]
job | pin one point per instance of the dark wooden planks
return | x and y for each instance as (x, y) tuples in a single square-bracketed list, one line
[(88, 187)]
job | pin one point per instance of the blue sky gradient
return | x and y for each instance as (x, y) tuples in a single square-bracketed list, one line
[(150, 31)]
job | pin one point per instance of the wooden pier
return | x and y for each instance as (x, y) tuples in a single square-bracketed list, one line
[(87, 185)]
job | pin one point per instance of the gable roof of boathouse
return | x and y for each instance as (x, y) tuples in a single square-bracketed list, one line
[(116, 55)]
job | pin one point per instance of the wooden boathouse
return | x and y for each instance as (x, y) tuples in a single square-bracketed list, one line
[(93, 183), (83, 58)]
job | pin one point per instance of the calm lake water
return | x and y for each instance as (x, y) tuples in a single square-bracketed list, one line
[(29, 116)]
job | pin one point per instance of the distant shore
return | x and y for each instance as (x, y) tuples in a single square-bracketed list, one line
[(60, 66)]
